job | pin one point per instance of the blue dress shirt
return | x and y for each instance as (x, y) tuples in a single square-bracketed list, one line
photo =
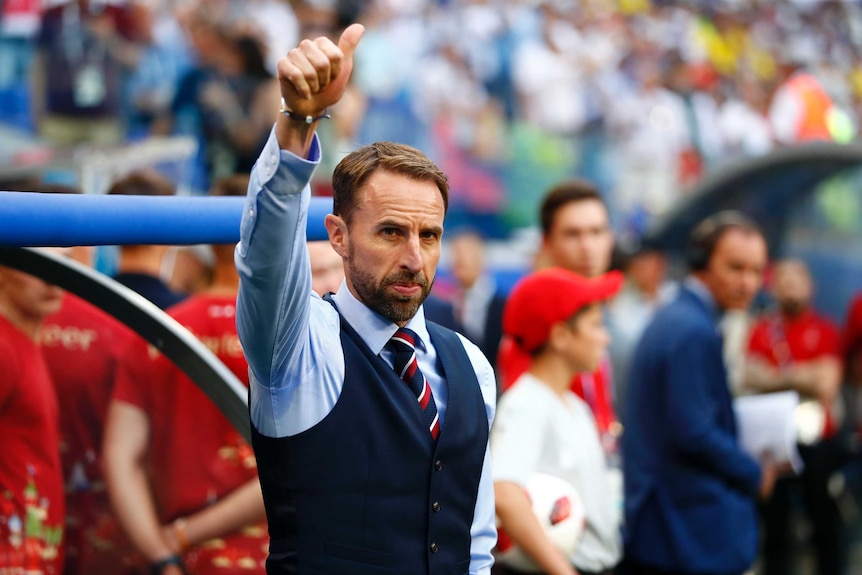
[(291, 336)]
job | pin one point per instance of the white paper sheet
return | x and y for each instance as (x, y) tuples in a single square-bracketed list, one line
[(767, 424)]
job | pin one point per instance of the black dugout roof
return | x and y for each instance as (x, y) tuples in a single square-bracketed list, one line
[(761, 187)]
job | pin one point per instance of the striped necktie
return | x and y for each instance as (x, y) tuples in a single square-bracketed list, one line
[(403, 344)]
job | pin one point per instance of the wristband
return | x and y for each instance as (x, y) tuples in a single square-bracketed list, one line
[(299, 117), (159, 567)]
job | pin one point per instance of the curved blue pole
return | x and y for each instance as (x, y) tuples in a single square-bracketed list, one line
[(59, 220)]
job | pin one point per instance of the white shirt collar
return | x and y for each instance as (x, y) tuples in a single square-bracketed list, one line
[(374, 329)]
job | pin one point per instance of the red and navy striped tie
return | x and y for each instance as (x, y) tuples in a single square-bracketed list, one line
[(403, 343)]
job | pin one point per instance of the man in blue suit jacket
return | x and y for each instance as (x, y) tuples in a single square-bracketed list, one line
[(690, 490)]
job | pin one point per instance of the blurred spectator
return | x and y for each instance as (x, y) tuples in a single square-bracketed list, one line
[(800, 110), (441, 311), (743, 119), (228, 100), (698, 113), (82, 347), (795, 348), (666, 132), (542, 427), (576, 229), (690, 489), (576, 235), (275, 23), (165, 57), (19, 25), (547, 74), (647, 289), (191, 268), (240, 110), (182, 480), (84, 48), (32, 505), (327, 267), (851, 342), (478, 302), (140, 267), (851, 359)]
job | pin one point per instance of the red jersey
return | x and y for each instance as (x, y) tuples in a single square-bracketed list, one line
[(851, 342), (196, 455), (31, 479), (82, 346), (781, 341)]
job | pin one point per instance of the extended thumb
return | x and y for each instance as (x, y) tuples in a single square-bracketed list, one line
[(350, 38)]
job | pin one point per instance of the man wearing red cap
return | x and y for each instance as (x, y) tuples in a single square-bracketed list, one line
[(555, 317)]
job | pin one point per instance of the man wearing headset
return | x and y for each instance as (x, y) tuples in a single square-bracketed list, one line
[(690, 489)]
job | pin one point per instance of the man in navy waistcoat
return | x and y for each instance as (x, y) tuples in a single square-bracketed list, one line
[(370, 424)]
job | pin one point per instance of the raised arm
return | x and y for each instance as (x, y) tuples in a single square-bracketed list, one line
[(313, 77), (275, 275)]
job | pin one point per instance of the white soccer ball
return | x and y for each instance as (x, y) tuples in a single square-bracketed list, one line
[(560, 511)]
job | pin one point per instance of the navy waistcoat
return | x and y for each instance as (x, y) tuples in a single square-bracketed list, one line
[(367, 490)]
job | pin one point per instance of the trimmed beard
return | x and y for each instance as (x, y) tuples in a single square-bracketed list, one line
[(395, 308)]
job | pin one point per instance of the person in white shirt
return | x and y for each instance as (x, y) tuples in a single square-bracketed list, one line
[(542, 427)]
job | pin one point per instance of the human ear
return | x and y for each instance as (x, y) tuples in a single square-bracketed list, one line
[(557, 334), (336, 227)]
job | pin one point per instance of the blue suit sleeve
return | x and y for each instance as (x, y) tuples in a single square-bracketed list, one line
[(693, 404)]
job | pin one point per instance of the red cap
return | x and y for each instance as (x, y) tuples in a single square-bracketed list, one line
[(550, 296)]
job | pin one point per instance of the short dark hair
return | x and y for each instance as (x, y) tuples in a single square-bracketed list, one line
[(145, 182), (563, 194), (142, 183), (705, 236), (353, 171)]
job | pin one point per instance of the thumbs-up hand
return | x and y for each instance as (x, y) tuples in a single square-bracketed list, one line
[(314, 75)]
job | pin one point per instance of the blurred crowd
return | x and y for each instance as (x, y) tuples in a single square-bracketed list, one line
[(641, 97), (584, 119)]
